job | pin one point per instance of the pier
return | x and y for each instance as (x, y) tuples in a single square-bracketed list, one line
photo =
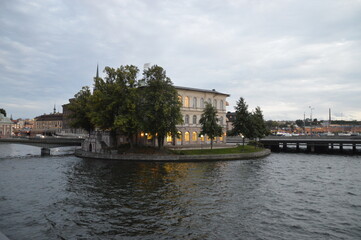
[(45, 143), (313, 144)]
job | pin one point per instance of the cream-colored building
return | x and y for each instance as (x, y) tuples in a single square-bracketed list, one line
[(6, 126), (193, 104)]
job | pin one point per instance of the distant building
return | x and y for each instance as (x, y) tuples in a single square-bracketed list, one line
[(6, 126), (231, 118), (48, 123)]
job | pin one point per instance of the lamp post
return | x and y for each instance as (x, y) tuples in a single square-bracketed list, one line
[(311, 108)]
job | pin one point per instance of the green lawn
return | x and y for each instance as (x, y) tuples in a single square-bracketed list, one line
[(239, 149)]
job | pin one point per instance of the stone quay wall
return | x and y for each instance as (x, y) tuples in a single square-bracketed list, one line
[(172, 158)]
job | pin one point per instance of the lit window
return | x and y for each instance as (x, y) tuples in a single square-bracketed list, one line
[(194, 136), (169, 137), (186, 136), (180, 98), (179, 138), (194, 119), (186, 102)]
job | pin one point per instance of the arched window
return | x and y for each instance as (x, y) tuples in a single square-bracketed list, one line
[(194, 102), (186, 137), (169, 137), (186, 120), (194, 136), (194, 119), (180, 99), (221, 120), (186, 102), (215, 103), (179, 138), (202, 103), (221, 106), (209, 101)]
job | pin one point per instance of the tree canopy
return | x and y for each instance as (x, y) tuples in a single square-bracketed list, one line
[(160, 105), (209, 120), (3, 111), (79, 108)]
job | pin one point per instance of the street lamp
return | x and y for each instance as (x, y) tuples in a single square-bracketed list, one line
[(311, 108)]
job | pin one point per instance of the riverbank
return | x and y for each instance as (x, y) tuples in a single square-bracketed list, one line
[(173, 157)]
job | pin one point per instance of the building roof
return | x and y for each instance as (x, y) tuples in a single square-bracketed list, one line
[(201, 90), (5, 120), (50, 117)]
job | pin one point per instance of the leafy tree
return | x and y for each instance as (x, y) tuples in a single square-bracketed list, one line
[(300, 123), (258, 128), (160, 106), (241, 124), (3, 111), (209, 120), (114, 102), (79, 110)]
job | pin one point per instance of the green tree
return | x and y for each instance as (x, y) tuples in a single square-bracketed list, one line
[(209, 120), (241, 124), (79, 108), (114, 102), (258, 126), (3, 111), (160, 106)]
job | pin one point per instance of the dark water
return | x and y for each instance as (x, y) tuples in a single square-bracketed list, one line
[(283, 196)]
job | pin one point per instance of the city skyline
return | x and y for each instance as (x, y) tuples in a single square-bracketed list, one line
[(283, 56)]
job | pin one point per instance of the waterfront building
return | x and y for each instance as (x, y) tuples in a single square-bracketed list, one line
[(193, 103), (6, 126), (48, 123)]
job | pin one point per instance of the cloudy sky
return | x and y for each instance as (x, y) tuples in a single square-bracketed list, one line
[(281, 55)]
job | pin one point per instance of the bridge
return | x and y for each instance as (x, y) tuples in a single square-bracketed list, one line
[(312, 144), (45, 143)]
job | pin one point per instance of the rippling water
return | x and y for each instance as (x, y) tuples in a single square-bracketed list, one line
[(282, 196)]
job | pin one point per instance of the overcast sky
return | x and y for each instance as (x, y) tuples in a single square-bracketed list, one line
[(281, 55)]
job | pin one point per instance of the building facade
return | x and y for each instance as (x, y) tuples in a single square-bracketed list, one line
[(193, 103), (48, 123), (6, 126)]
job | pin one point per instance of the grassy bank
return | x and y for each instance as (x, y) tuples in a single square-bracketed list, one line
[(239, 149)]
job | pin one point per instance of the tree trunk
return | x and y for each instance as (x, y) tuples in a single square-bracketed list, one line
[(211, 143), (160, 142)]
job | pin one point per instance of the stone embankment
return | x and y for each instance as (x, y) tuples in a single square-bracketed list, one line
[(172, 158)]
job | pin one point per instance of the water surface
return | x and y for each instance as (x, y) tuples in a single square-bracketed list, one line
[(282, 196)]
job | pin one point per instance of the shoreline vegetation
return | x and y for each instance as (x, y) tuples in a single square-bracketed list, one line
[(125, 149)]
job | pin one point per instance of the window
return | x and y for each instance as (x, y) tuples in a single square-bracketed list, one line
[(221, 120), (186, 136), (215, 103), (179, 138), (194, 136), (202, 103), (194, 119), (180, 99), (194, 102), (169, 137), (221, 106), (186, 120), (209, 101), (186, 102)]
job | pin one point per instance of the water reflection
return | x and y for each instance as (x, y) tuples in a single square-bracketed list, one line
[(283, 196)]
